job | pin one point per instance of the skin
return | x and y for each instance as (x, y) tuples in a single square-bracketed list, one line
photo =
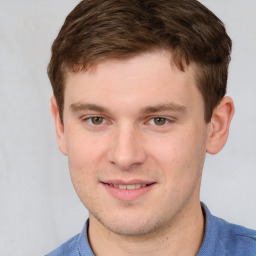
[(140, 120)]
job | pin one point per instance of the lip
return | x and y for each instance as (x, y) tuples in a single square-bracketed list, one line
[(127, 194), (129, 182)]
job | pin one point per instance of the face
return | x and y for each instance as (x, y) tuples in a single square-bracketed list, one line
[(135, 136)]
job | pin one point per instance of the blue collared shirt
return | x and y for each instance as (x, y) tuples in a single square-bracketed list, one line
[(221, 238)]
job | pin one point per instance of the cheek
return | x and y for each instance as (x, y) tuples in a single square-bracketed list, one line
[(180, 154), (83, 150), (82, 158), (181, 162), (170, 149)]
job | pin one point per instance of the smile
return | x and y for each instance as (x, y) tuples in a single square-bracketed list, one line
[(128, 191), (129, 187)]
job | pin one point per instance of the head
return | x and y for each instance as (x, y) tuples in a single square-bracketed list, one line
[(98, 30), (138, 101)]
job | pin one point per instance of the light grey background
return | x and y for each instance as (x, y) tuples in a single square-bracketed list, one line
[(38, 206)]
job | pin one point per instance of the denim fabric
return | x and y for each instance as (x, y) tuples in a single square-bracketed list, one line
[(76, 246), (221, 238)]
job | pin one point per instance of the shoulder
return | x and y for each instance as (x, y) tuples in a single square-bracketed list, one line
[(76, 246), (224, 238), (238, 238), (69, 248)]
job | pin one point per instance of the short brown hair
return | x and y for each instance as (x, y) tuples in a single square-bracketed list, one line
[(105, 29)]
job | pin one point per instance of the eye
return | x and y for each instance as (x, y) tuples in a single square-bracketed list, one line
[(159, 121), (96, 120)]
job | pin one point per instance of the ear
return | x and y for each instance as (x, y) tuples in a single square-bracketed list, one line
[(219, 125), (59, 128)]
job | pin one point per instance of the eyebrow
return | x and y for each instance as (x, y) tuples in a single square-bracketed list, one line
[(165, 107), (82, 106), (146, 110)]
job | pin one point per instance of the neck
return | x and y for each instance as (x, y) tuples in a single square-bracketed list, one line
[(186, 229)]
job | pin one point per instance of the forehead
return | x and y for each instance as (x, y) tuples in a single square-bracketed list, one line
[(145, 78)]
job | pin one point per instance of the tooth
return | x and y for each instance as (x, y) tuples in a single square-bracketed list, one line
[(138, 185), (122, 186), (131, 186)]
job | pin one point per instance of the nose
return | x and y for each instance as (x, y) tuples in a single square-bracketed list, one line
[(127, 148)]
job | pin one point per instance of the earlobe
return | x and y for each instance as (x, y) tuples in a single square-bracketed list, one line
[(219, 125), (59, 128)]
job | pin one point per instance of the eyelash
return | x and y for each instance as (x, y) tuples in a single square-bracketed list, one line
[(89, 119), (104, 120), (166, 120)]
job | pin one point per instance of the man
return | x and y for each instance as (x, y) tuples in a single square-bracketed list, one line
[(139, 98)]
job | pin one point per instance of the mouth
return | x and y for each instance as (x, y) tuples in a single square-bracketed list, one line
[(128, 191), (129, 187)]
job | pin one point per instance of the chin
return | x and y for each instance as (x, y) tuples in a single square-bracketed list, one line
[(130, 226)]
